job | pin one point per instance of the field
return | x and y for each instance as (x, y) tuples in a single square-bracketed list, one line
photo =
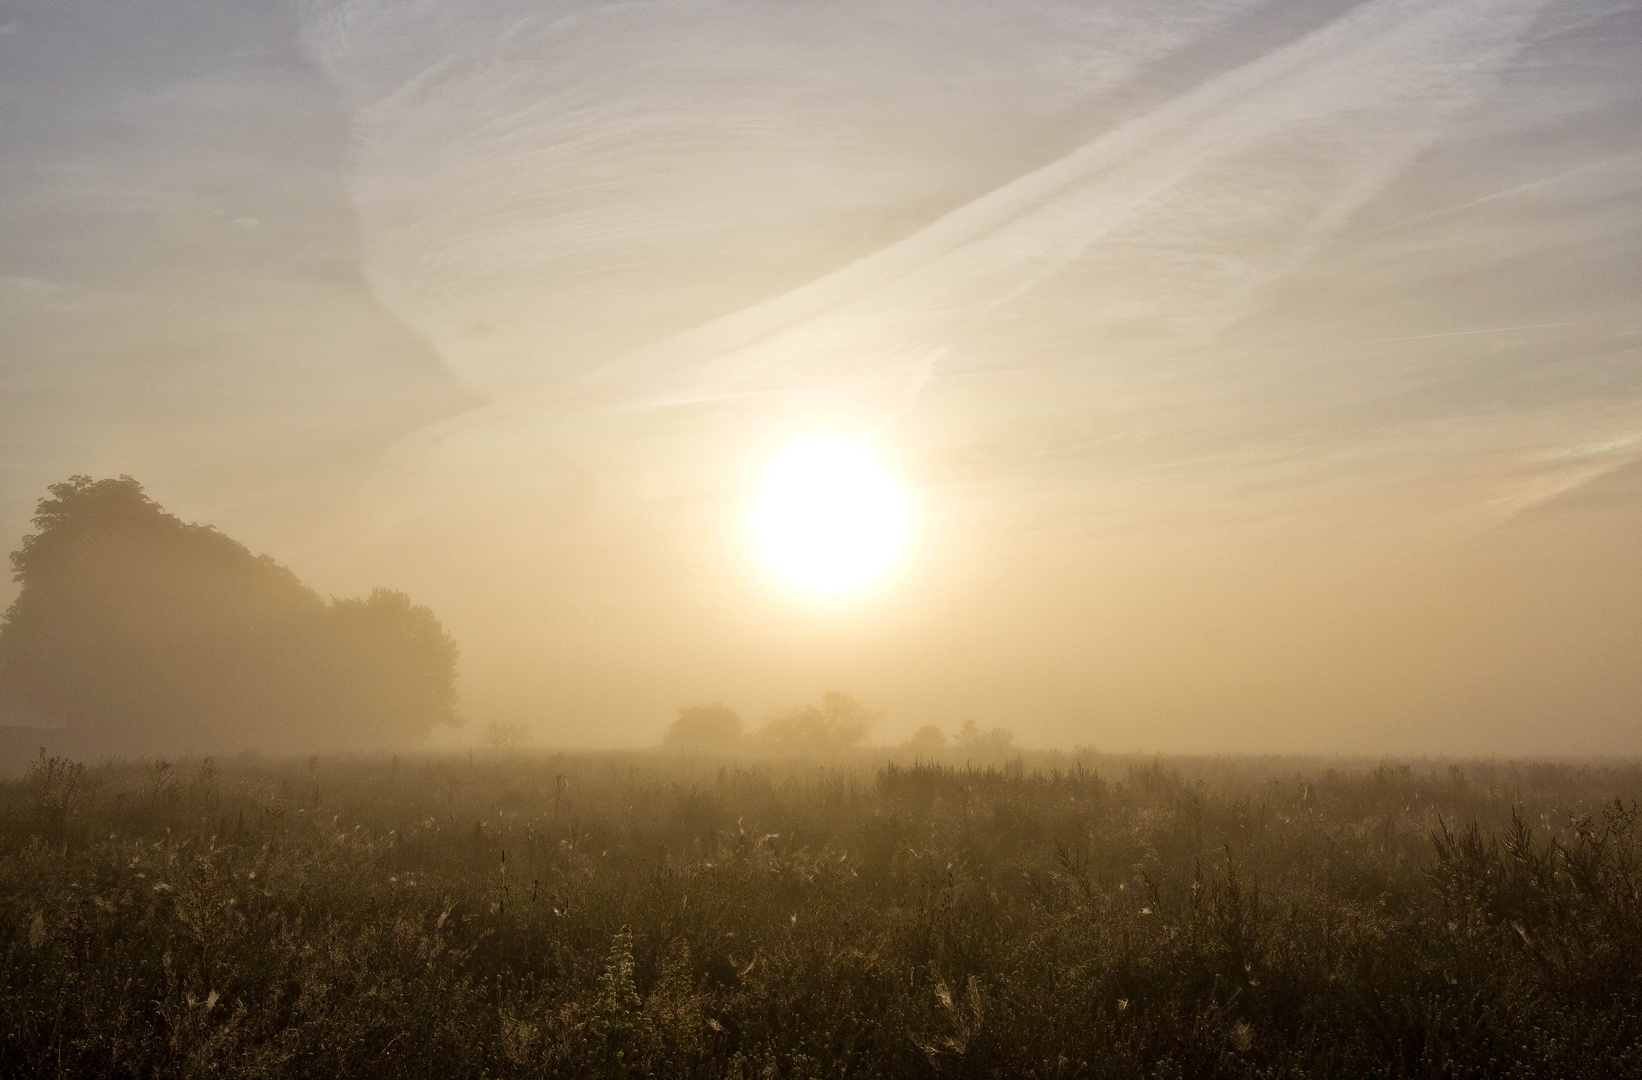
[(644, 915)]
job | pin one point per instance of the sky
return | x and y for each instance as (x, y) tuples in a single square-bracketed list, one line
[(1264, 375)]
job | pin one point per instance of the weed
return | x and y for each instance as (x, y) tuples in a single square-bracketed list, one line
[(641, 915)]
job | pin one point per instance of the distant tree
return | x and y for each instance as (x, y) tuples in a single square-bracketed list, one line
[(150, 632), (713, 729), (506, 734), (838, 723), (927, 740), (996, 743)]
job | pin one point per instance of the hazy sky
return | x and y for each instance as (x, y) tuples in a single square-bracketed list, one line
[(1265, 375)]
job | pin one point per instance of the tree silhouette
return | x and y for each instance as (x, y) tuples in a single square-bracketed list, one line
[(148, 632), (996, 743), (398, 664), (838, 723), (928, 739), (506, 734), (713, 729)]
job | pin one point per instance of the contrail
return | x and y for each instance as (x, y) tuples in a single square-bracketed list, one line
[(924, 289), (1421, 337), (1510, 191)]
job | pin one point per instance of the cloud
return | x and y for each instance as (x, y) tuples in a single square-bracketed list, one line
[(541, 194), (597, 193), (1205, 198)]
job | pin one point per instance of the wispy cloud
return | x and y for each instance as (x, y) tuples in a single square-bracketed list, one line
[(598, 189)]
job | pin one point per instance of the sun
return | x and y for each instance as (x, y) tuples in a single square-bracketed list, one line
[(827, 517)]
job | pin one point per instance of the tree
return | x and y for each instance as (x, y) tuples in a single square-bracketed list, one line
[(148, 632), (398, 664), (838, 723), (927, 740), (506, 734), (713, 729), (997, 743)]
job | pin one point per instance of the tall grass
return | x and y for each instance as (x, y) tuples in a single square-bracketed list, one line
[(632, 915)]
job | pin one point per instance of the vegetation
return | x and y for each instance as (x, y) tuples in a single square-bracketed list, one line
[(928, 740), (984, 745), (647, 915), (140, 631), (712, 729), (507, 734), (838, 723)]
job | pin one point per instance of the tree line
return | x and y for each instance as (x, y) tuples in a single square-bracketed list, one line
[(836, 724), (140, 631)]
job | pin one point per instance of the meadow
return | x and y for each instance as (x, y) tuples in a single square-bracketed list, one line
[(641, 914)]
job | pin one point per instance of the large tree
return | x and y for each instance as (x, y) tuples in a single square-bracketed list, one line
[(145, 631)]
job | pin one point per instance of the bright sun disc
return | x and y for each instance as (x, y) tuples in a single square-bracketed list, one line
[(827, 516)]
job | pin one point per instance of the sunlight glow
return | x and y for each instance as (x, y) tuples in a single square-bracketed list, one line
[(827, 517)]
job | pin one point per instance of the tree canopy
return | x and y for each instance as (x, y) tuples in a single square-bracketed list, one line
[(150, 632)]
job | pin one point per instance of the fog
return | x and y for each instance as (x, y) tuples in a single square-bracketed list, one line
[(1263, 377)]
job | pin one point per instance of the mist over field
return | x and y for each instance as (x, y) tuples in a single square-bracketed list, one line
[(782, 539), (1260, 376)]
